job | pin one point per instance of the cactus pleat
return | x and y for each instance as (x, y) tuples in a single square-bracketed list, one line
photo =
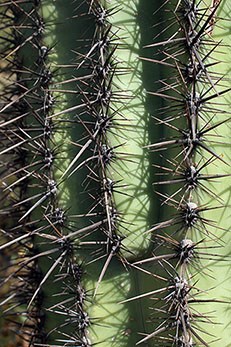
[(193, 121), (114, 170)]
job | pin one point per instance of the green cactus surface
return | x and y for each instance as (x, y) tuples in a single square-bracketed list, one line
[(115, 173)]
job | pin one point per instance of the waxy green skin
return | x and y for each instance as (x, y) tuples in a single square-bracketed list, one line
[(114, 323), (132, 167), (220, 292)]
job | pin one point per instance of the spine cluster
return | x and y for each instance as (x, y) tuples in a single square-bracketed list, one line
[(97, 116), (36, 232), (191, 116), (25, 154), (59, 221), (43, 234)]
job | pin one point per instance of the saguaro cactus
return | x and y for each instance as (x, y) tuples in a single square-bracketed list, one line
[(114, 171)]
